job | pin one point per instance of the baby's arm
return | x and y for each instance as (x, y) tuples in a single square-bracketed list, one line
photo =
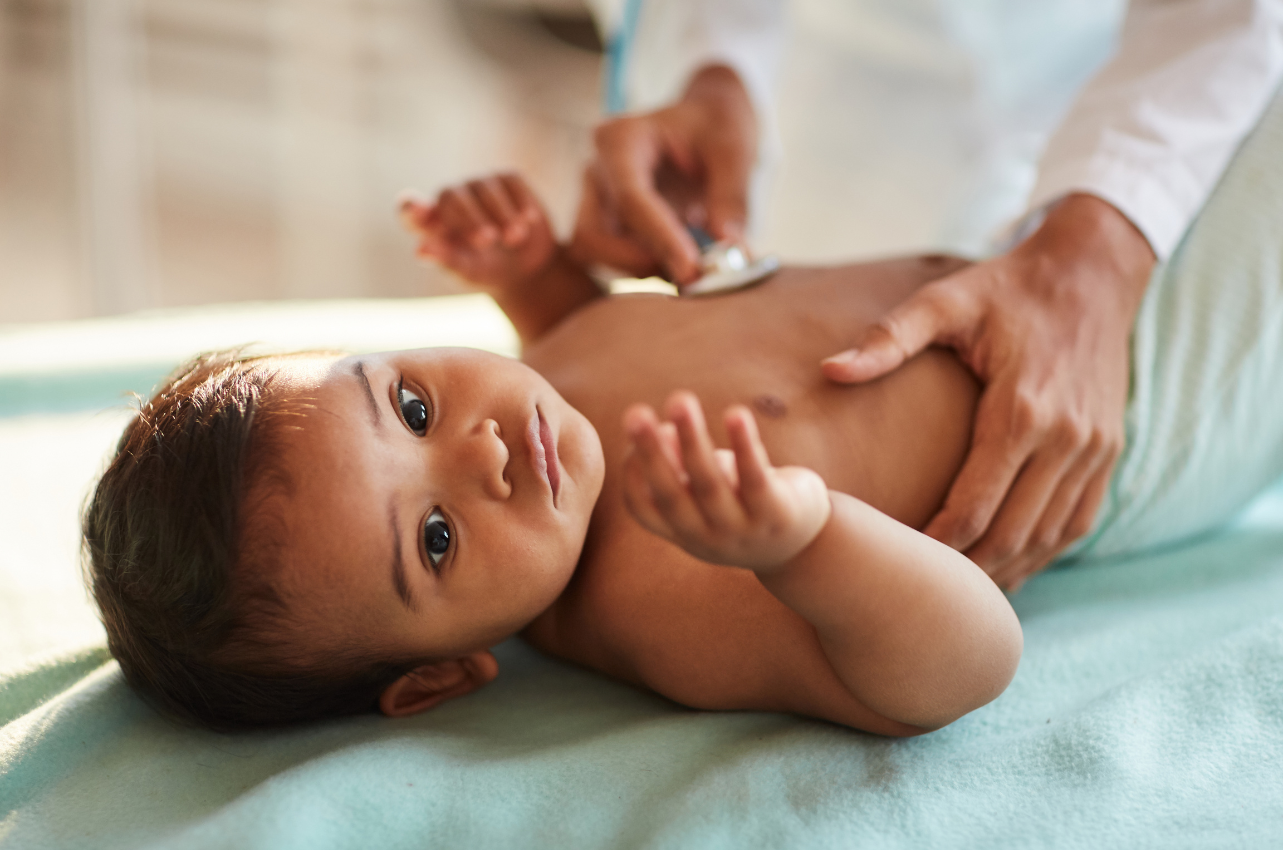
[(913, 629), (495, 235)]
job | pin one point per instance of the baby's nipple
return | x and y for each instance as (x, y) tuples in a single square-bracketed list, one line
[(770, 406)]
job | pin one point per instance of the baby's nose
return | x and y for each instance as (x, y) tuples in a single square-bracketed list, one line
[(490, 455)]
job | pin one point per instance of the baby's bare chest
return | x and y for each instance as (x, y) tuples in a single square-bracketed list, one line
[(800, 415), (762, 349)]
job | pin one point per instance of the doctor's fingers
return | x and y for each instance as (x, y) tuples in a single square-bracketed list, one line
[(941, 313), (1004, 435), (1026, 531), (1065, 522), (630, 152), (1092, 449), (1058, 527), (598, 238)]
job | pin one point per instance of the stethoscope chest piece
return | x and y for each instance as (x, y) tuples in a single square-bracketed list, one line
[(727, 266)]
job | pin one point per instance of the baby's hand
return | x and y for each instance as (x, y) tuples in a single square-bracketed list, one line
[(724, 506), (491, 232)]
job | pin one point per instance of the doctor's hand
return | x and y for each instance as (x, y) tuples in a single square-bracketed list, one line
[(1046, 329), (656, 172)]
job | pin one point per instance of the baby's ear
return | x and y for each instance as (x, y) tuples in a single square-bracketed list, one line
[(430, 684)]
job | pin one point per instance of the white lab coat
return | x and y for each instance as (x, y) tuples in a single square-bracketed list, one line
[(1151, 132)]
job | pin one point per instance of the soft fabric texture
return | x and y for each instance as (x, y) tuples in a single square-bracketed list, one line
[(1147, 710)]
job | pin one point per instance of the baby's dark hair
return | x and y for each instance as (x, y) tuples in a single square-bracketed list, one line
[(181, 536)]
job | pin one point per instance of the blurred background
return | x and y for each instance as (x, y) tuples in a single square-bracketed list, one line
[(171, 152), (163, 153)]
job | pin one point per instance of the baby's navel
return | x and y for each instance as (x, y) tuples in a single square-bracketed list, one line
[(771, 406)]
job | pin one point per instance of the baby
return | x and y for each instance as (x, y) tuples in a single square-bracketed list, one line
[(286, 538)]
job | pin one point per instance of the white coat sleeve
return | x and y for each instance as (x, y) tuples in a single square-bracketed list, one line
[(1153, 131), (675, 38)]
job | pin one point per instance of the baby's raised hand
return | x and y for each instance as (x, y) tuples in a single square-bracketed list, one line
[(724, 506), (492, 232)]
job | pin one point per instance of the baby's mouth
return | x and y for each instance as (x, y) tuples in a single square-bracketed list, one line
[(544, 444)]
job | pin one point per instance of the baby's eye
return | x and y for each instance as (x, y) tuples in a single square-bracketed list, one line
[(436, 536), (413, 410)]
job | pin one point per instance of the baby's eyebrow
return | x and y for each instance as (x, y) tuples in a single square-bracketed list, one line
[(399, 581), (398, 565), (358, 369)]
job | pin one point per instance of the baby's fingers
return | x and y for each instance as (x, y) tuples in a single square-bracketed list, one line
[(751, 462), (791, 498), (414, 211), (726, 463), (464, 218), (523, 198), (638, 497), (665, 482), (493, 198), (424, 221), (709, 487)]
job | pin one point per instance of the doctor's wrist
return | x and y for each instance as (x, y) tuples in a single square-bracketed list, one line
[(1087, 231)]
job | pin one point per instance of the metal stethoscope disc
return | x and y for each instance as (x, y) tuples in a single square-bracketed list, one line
[(727, 266)]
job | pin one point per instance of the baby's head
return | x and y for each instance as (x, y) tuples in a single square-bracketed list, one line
[(286, 538)]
